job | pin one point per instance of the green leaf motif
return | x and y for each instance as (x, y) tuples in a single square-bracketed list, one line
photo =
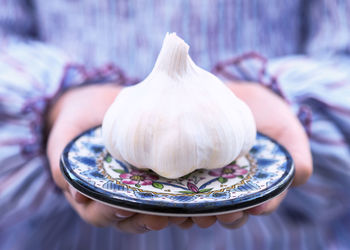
[(119, 171), (240, 176), (222, 180), (157, 185), (205, 190), (108, 159), (137, 185)]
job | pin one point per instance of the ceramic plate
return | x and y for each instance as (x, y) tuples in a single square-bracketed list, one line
[(264, 173)]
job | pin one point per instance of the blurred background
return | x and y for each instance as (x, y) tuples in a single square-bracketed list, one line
[(299, 49)]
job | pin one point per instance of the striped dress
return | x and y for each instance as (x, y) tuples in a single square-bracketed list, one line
[(300, 49)]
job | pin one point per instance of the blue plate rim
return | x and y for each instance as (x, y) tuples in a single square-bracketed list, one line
[(198, 208)]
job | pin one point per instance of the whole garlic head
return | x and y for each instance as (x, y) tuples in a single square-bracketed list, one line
[(179, 119)]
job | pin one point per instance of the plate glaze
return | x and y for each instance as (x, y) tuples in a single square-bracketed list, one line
[(264, 173)]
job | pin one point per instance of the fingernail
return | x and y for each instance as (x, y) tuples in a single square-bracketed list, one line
[(147, 228), (121, 216)]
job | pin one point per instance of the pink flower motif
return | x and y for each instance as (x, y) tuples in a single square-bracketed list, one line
[(191, 186), (138, 177), (230, 171)]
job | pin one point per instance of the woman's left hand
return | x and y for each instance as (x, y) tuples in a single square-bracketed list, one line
[(274, 118)]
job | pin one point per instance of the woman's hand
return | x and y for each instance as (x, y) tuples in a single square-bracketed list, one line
[(76, 111), (83, 108), (274, 118)]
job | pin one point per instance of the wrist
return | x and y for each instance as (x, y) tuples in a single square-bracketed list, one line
[(82, 101), (74, 112), (248, 91)]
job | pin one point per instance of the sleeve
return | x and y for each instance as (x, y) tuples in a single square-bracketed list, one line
[(327, 27), (318, 90), (17, 18), (32, 75)]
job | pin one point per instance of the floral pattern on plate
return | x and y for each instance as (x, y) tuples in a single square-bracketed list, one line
[(264, 173), (200, 181)]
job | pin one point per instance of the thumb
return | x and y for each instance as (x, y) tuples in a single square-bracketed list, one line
[(59, 137)]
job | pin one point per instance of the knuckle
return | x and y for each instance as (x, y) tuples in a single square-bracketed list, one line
[(158, 223), (229, 218), (205, 222), (142, 229), (237, 224)]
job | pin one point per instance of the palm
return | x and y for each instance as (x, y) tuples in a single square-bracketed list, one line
[(274, 118), (75, 112)]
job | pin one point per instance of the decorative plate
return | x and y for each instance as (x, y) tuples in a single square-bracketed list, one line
[(264, 173)]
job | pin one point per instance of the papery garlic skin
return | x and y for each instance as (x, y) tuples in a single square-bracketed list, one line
[(179, 119)]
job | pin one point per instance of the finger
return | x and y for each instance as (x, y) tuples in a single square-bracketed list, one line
[(279, 123), (123, 214), (78, 197), (205, 221), (293, 137), (177, 220), (99, 214), (57, 175), (96, 213), (269, 206), (290, 134), (238, 223), (141, 223), (230, 218), (82, 199), (55, 147), (297, 144), (188, 223)]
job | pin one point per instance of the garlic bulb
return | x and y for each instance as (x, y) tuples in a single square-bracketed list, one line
[(179, 119)]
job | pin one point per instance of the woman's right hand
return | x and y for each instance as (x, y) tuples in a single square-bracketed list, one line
[(76, 111)]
